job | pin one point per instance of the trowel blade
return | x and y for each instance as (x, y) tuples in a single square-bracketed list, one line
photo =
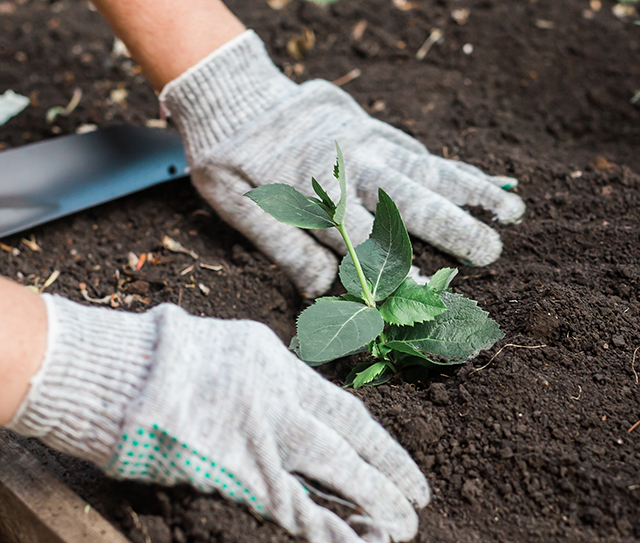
[(42, 181)]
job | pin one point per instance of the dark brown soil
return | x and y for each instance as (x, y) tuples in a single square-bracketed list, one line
[(521, 444)]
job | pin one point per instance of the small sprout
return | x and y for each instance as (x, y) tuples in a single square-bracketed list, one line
[(403, 325)]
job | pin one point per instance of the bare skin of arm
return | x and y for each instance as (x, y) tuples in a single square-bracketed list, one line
[(23, 340), (166, 38)]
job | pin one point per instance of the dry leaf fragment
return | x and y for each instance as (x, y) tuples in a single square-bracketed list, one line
[(358, 30), (602, 164), (11, 104), (156, 123), (212, 268), (175, 247), (132, 260), (86, 128), (130, 298), (461, 16), (543, 24), (378, 106), (404, 5), (141, 261), (13, 250), (187, 270), (119, 96), (607, 190), (31, 243), (622, 11), (277, 4), (301, 43), (119, 49)]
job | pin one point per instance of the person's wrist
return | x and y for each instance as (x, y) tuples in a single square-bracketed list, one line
[(224, 92), (97, 362)]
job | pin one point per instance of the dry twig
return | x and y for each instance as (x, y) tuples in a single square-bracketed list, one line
[(579, 394), (353, 74), (504, 347), (434, 37)]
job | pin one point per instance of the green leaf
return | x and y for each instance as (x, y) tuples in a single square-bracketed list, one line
[(412, 303), (323, 195), (457, 335), (289, 206), (352, 298), (442, 279), (340, 174), (371, 373), (379, 380), (385, 257), (332, 328)]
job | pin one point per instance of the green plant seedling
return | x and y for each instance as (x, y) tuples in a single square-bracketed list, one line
[(400, 323)]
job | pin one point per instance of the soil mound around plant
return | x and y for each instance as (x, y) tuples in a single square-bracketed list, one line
[(530, 442)]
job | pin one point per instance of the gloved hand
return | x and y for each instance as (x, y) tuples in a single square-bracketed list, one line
[(165, 397), (245, 124)]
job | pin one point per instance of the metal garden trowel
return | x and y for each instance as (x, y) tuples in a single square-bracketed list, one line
[(42, 181)]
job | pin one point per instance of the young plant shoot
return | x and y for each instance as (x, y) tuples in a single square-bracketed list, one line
[(402, 324)]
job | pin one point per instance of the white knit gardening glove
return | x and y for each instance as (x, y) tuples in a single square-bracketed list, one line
[(164, 397), (245, 124)]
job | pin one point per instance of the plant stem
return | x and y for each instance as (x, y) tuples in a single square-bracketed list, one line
[(366, 291)]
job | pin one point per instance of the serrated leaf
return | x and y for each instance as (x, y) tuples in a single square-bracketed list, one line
[(340, 174), (289, 206), (385, 257), (332, 328), (457, 335), (412, 303), (371, 373), (352, 298), (442, 279), (382, 377)]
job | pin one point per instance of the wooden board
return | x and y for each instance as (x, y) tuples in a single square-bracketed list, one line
[(37, 508)]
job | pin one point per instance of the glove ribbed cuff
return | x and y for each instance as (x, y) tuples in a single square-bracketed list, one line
[(97, 362), (224, 92)]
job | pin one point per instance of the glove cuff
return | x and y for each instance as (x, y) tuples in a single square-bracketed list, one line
[(96, 364), (224, 92)]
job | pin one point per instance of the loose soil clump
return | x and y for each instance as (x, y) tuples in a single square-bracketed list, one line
[(522, 444)]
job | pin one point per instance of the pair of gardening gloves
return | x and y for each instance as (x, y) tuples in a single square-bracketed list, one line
[(165, 397)]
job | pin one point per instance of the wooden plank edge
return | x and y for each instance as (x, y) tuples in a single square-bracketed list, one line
[(35, 507)]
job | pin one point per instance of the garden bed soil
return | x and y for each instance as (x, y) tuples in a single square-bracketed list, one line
[(521, 444)]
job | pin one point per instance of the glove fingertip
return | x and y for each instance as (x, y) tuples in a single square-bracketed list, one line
[(503, 181), (511, 209), (486, 249)]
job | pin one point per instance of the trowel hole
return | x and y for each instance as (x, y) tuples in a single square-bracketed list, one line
[(172, 170)]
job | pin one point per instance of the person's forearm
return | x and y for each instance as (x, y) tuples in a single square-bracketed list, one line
[(23, 340), (167, 37)]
